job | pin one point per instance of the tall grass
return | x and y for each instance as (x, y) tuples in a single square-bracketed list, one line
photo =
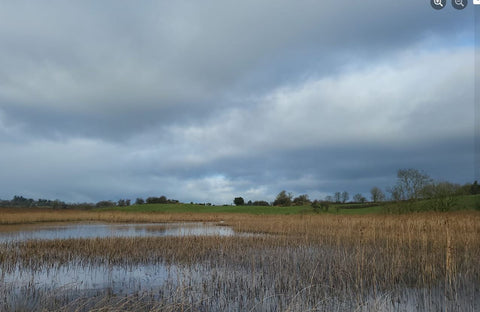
[(424, 261), (36, 215)]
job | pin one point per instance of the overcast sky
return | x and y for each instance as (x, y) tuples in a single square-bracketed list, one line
[(208, 100)]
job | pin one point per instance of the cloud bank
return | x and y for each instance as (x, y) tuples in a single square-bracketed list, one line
[(208, 101)]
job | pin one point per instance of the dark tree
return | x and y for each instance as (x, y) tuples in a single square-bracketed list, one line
[(475, 188), (157, 200), (320, 204), (442, 195), (105, 203), (22, 201), (301, 200), (57, 204), (239, 201), (260, 203), (283, 199), (139, 201)]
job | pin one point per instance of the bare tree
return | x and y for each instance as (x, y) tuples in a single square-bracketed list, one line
[(345, 196), (337, 197), (358, 198), (410, 184), (377, 194)]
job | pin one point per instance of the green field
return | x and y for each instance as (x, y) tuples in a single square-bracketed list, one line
[(195, 208), (460, 203)]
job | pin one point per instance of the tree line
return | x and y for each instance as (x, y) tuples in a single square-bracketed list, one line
[(411, 186), (20, 201)]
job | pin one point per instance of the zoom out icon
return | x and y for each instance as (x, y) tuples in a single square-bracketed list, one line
[(439, 4)]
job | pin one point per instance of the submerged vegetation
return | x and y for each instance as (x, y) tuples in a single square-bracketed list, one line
[(424, 261)]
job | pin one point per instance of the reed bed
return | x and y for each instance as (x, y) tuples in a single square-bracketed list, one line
[(19, 216), (424, 262)]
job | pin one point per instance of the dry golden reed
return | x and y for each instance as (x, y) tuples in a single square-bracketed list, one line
[(34, 215), (302, 260)]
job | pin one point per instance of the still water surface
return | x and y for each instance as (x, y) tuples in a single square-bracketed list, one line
[(79, 279), (79, 286), (101, 230)]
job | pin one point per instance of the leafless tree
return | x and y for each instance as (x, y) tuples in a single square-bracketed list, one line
[(358, 198), (410, 184), (377, 194), (345, 196), (337, 196)]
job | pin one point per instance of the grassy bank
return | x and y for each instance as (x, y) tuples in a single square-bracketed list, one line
[(467, 202), (194, 208), (192, 212)]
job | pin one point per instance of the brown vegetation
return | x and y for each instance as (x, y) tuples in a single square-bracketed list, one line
[(36, 215), (303, 262)]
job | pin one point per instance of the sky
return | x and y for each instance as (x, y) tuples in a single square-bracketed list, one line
[(205, 101)]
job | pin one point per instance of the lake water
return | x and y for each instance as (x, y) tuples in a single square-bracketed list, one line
[(49, 288), (208, 286), (101, 230), (75, 279)]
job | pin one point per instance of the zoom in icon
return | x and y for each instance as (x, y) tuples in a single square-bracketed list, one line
[(439, 4)]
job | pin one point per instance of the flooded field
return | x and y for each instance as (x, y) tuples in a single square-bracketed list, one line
[(329, 263), (100, 230)]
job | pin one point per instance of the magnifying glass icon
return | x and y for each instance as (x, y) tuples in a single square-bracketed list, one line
[(439, 2), (458, 2)]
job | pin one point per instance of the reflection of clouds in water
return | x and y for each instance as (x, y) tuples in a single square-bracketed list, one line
[(158, 282), (67, 283), (113, 230), (78, 277)]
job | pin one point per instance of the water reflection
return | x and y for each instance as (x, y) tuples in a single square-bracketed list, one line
[(49, 288), (78, 277), (100, 230)]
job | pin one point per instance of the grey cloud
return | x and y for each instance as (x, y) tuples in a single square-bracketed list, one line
[(399, 102), (205, 100), (323, 171), (83, 170), (115, 59)]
